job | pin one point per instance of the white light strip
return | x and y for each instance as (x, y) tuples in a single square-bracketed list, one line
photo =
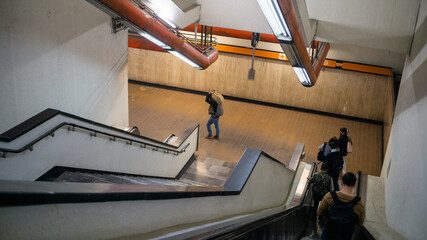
[(302, 75), (154, 40), (185, 59), (274, 16)]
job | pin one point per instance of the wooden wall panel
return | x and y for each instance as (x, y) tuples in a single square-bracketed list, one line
[(337, 91)]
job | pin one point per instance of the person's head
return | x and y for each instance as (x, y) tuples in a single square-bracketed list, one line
[(343, 131), (349, 179), (324, 167), (333, 143), (333, 139)]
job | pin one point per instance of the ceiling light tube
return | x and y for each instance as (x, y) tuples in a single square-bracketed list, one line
[(302, 75), (146, 35), (274, 16), (154, 40), (185, 59)]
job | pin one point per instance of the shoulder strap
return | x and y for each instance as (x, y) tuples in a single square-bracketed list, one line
[(324, 145), (335, 197), (354, 201)]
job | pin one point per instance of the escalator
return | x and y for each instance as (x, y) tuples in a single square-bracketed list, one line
[(85, 180), (294, 223)]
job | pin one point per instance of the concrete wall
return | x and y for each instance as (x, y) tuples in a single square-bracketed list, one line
[(405, 164), (61, 54)]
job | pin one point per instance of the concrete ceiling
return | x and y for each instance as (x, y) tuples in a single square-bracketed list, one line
[(376, 32)]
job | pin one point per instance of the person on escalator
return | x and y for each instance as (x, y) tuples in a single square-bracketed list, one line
[(335, 162), (340, 211), (343, 147), (320, 186)]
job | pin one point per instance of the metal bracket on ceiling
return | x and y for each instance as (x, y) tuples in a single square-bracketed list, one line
[(117, 25)]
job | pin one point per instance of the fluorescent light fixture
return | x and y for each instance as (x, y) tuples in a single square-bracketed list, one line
[(272, 12), (154, 40), (302, 75), (185, 59)]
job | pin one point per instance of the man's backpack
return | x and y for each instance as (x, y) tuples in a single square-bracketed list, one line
[(320, 154), (217, 97), (341, 218), (220, 110)]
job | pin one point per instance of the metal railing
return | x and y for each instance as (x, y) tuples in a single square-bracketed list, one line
[(94, 133), (203, 47)]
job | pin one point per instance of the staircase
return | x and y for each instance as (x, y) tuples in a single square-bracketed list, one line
[(84, 177), (203, 171)]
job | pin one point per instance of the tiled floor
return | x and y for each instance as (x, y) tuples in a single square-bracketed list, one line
[(159, 112)]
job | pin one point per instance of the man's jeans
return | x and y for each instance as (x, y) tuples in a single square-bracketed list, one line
[(208, 125)]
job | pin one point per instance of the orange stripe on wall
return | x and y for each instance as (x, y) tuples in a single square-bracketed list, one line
[(366, 68), (248, 51), (329, 63)]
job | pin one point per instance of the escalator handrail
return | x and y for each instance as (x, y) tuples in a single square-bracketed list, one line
[(307, 185), (359, 178), (230, 232), (363, 231)]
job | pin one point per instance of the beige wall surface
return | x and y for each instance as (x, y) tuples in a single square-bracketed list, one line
[(405, 165), (337, 91)]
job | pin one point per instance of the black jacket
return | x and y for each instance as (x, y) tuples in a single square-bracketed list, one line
[(335, 162), (342, 144), (212, 102)]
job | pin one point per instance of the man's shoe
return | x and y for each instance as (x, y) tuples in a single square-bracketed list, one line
[(216, 137), (208, 136)]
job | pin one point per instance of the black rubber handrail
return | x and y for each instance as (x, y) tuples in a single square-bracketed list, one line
[(359, 176), (50, 113), (93, 132), (134, 130), (236, 231)]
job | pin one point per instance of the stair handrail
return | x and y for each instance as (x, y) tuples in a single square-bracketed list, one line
[(93, 132)]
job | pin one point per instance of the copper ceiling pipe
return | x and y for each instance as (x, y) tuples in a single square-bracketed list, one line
[(143, 43), (318, 64), (136, 16), (291, 19)]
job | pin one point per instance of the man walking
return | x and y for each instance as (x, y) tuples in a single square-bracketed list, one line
[(215, 110), (341, 210)]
